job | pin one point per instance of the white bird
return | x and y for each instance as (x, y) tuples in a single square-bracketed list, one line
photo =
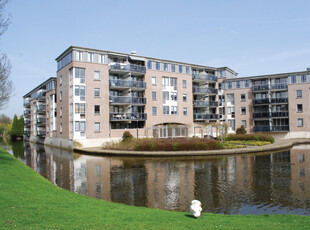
[(195, 208)]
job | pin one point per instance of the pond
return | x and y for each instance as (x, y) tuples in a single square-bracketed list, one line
[(271, 183)]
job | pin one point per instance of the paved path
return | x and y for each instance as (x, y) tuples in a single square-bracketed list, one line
[(278, 145)]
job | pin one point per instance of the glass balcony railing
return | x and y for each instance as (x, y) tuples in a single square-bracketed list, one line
[(261, 101), (276, 128), (201, 116), (204, 77), (127, 116), (205, 103), (280, 128), (279, 100), (127, 100), (260, 87), (279, 114), (204, 90), (261, 115), (128, 67), (127, 84), (270, 114), (41, 108), (278, 86)]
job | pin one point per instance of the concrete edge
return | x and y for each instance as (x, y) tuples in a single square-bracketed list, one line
[(259, 149)]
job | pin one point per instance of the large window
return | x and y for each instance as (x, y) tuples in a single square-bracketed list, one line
[(174, 96), (231, 98), (166, 110), (174, 110), (80, 73), (79, 108)]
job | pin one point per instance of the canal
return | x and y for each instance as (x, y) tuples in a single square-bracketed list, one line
[(271, 183)]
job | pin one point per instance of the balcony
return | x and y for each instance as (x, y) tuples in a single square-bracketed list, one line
[(41, 108), (204, 90), (261, 115), (27, 113), (279, 100), (127, 116), (278, 86), (261, 101), (260, 88), (124, 100), (279, 114), (27, 132), (202, 116), (115, 84), (27, 102), (41, 133), (127, 68), (276, 128), (41, 120), (204, 77), (205, 103), (262, 128)]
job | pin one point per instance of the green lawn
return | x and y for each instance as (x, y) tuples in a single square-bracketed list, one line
[(28, 201)]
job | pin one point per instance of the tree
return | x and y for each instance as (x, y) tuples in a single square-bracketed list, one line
[(6, 85), (5, 119), (20, 126)]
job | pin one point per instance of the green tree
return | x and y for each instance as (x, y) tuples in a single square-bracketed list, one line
[(20, 126), (14, 129)]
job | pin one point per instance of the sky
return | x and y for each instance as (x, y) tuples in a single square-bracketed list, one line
[(250, 37)]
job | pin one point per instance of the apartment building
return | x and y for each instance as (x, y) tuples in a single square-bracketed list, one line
[(99, 94)]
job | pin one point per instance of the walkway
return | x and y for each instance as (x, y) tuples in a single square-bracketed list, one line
[(278, 145)]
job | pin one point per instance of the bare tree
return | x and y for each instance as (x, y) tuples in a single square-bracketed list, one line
[(6, 85)]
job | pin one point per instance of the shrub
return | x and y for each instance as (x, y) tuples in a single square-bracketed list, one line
[(248, 137), (175, 146), (241, 130), (127, 136)]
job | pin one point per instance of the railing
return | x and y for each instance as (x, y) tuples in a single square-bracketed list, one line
[(41, 108), (279, 100), (261, 101), (205, 103), (205, 77), (280, 128), (127, 84), (276, 128), (260, 87), (279, 86), (27, 102), (199, 116), (41, 133), (41, 120), (197, 89), (128, 100), (128, 67), (279, 114), (262, 128), (270, 114), (261, 115), (127, 116)]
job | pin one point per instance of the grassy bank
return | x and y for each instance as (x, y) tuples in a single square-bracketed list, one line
[(28, 201)]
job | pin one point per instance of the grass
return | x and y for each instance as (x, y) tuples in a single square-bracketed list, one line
[(28, 201)]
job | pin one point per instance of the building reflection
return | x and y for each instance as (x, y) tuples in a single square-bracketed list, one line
[(244, 184)]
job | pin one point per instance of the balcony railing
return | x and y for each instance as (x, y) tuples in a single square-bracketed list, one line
[(204, 90), (279, 100), (41, 120), (261, 115), (270, 114), (41, 133), (200, 116), (127, 84), (204, 77), (205, 103), (128, 100), (279, 114), (41, 108), (260, 87), (128, 68), (276, 128), (261, 101), (128, 116), (278, 86)]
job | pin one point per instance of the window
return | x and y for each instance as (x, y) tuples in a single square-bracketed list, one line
[(79, 55), (60, 80), (91, 57), (230, 85), (165, 96), (102, 58), (300, 122), (238, 84), (230, 98), (230, 110), (97, 75), (153, 80), (299, 93), (231, 124), (60, 129), (97, 92), (149, 65), (299, 108), (97, 126), (60, 96), (77, 126), (157, 66), (187, 70), (165, 109), (174, 83), (185, 111), (243, 97), (173, 68), (247, 83), (154, 96), (184, 84), (184, 97), (174, 96), (82, 126), (165, 67), (303, 78), (174, 110), (243, 110), (165, 81), (154, 110), (293, 79), (79, 108), (180, 69), (60, 112), (97, 109), (243, 123), (80, 73)]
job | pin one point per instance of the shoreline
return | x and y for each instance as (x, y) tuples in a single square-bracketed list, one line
[(281, 144)]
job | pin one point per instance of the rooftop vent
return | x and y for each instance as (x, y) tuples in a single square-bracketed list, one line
[(134, 52)]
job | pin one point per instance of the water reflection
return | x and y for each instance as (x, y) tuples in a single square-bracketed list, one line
[(274, 183)]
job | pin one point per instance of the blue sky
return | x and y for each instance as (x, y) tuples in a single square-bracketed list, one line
[(251, 37)]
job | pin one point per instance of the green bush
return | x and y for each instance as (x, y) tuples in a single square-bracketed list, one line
[(127, 136), (248, 137), (175, 146), (241, 130)]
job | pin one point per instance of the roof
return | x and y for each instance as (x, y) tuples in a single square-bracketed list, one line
[(39, 86)]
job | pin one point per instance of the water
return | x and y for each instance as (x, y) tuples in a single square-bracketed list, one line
[(273, 183)]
